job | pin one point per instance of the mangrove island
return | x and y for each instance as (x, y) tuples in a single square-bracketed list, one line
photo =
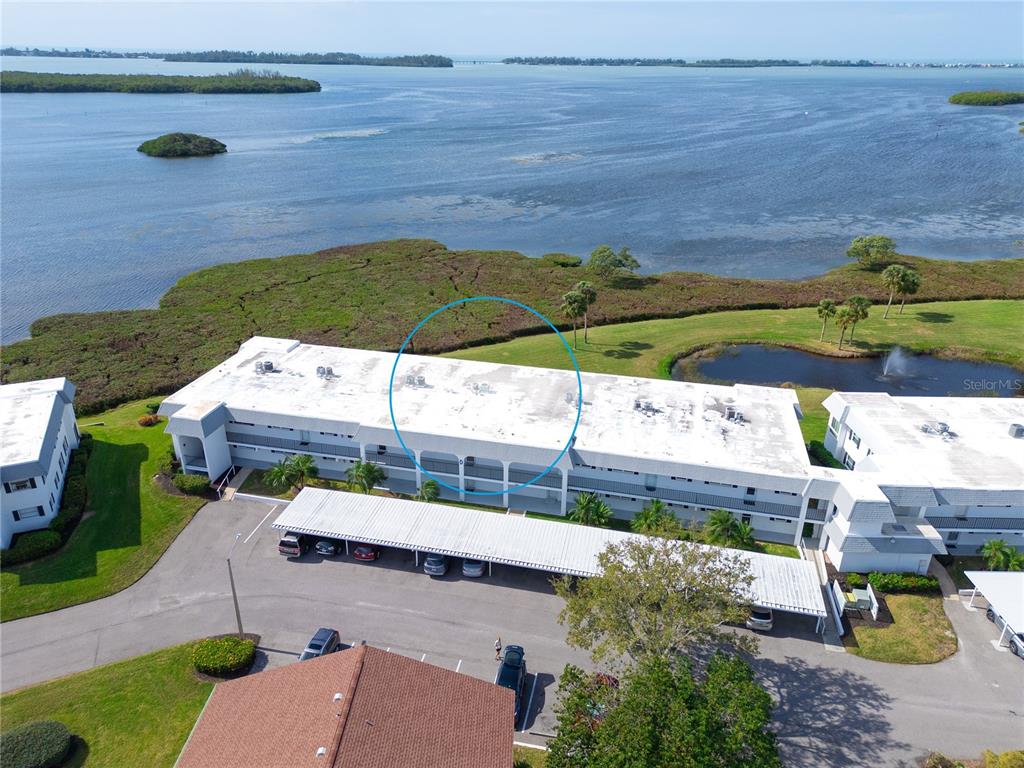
[(239, 81), (987, 98), (182, 145)]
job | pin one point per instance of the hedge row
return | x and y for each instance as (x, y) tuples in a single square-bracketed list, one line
[(221, 656), (902, 582), (194, 485), (42, 744), (29, 546), (820, 453)]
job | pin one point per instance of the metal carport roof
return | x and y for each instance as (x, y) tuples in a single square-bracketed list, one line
[(1004, 591), (781, 583)]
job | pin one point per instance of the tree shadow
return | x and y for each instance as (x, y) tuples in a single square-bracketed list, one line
[(633, 282), (828, 716), (627, 350), (78, 755), (934, 317), (114, 519)]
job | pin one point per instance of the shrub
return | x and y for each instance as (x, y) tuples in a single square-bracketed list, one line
[(168, 464), (31, 545), (562, 259), (42, 744), (854, 580), (85, 442), (78, 463), (152, 408), (1012, 759), (75, 495), (903, 582), (817, 451), (223, 655), (194, 485), (938, 760), (148, 420)]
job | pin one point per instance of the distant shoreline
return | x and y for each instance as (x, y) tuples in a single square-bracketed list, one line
[(245, 57), (241, 81), (572, 61)]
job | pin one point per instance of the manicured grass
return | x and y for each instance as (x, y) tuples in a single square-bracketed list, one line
[(986, 330), (525, 757), (131, 521), (782, 550), (379, 291), (255, 484), (920, 633), (135, 712)]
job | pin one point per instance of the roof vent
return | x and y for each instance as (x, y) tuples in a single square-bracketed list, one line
[(321, 751), (636, 405), (1017, 430), (421, 381), (410, 380), (337, 696), (268, 365), (329, 372), (259, 367), (321, 371)]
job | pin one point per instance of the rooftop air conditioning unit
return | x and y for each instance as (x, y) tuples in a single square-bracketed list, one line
[(636, 405), (268, 365), (421, 381), (329, 371), (1017, 430), (321, 371), (259, 367), (410, 380)]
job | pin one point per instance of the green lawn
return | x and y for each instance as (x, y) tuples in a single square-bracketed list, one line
[(782, 550), (136, 712), (920, 633), (525, 757), (255, 484), (983, 330), (130, 522)]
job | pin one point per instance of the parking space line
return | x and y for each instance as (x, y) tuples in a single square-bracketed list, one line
[(458, 666), (423, 657), (496, 674), (273, 509), (529, 704)]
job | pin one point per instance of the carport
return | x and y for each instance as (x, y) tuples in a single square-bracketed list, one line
[(1004, 591), (780, 583)]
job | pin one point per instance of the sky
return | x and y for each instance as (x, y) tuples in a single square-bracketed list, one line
[(920, 30)]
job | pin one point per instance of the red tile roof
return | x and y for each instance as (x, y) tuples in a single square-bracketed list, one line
[(393, 711)]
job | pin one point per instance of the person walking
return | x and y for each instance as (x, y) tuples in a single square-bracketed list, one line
[(497, 649)]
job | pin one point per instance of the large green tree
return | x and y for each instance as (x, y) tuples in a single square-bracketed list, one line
[(657, 597), (291, 472), (872, 251), (365, 475), (720, 527), (664, 716), (607, 263), (998, 554)]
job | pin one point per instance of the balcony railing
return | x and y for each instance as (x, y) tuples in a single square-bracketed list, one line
[(265, 441)]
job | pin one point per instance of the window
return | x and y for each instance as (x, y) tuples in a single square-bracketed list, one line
[(953, 536), (833, 425), (745, 519), (60, 460), (24, 514), (51, 502), (848, 462), (855, 438), (20, 485)]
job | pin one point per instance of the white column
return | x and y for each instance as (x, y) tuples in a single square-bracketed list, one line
[(800, 521), (176, 441), (462, 478), (362, 452), (419, 460), (504, 480)]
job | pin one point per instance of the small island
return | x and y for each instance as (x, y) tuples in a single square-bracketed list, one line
[(182, 145), (987, 98), (239, 81)]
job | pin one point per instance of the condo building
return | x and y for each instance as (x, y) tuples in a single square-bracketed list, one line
[(37, 434), (485, 429)]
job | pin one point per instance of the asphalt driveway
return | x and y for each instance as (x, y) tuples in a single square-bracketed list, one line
[(834, 709)]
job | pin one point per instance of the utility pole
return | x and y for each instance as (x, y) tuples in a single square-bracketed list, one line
[(234, 594)]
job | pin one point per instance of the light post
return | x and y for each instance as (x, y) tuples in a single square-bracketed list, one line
[(234, 594)]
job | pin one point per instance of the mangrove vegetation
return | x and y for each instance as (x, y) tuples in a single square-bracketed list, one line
[(239, 81)]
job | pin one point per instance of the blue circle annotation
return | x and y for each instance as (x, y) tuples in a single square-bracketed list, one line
[(579, 397)]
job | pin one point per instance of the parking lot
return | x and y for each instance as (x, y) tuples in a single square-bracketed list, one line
[(832, 708)]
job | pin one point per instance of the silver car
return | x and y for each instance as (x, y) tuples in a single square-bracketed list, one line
[(760, 619), (473, 569), (435, 565)]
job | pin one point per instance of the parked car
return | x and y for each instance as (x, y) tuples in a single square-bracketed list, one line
[(328, 547), (366, 552), (435, 565), (473, 569), (324, 641), (512, 675), (1015, 642), (293, 544), (760, 619)]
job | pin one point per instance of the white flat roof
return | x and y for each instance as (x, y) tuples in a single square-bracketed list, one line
[(782, 583), (1004, 591), (513, 405), (27, 413), (907, 444)]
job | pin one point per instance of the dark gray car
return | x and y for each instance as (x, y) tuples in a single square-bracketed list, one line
[(324, 641)]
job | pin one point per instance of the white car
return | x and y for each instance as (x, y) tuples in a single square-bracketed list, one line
[(1015, 642), (760, 619)]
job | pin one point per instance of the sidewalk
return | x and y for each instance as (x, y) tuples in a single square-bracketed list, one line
[(235, 483)]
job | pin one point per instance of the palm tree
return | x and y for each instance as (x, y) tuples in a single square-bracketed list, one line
[(589, 294), (720, 527), (364, 475), (1016, 562), (281, 476), (303, 468), (429, 491), (651, 517), (997, 554), (590, 510), (859, 309), (826, 311), (574, 306), (844, 318), (909, 286), (892, 278), (744, 535)]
